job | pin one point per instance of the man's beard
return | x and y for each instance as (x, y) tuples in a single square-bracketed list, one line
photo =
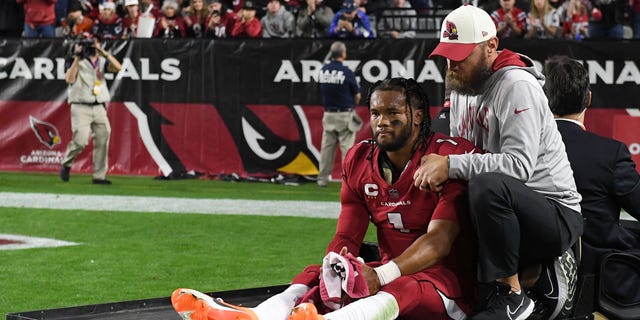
[(473, 84), (396, 144)]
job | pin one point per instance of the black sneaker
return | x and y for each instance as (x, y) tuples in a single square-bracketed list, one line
[(100, 181), (506, 304), (64, 173), (555, 289)]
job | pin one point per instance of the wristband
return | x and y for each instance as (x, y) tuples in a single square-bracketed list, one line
[(388, 272)]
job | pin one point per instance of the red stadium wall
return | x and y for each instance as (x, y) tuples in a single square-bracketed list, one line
[(246, 107)]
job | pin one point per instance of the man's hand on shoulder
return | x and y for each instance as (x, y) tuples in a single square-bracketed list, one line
[(432, 173)]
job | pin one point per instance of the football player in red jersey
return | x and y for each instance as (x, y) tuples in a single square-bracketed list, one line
[(426, 267)]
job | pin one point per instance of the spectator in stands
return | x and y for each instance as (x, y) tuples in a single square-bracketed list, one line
[(509, 19), (278, 22), (131, 19), (150, 7), (195, 18), (220, 20), (561, 9), (399, 21), (11, 19), (246, 24), (109, 24), (350, 22), (576, 26), (543, 21), (149, 13), (39, 18), (76, 23), (607, 18), (314, 20), (216, 27), (61, 8), (607, 178), (91, 8), (170, 24)]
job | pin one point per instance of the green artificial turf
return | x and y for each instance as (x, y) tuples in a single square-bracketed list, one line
[(148, 186), (136, 255)]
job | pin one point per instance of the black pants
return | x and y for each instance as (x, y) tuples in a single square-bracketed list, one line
[(517, 226)]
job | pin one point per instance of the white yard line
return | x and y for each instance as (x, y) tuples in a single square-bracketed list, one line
[(313, 209)]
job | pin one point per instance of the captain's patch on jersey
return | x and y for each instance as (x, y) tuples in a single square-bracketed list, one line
[(16, 242)]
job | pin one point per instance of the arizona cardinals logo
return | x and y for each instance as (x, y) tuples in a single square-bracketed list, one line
[(263, 148), (260, 143), (46, 132), (451, 32)]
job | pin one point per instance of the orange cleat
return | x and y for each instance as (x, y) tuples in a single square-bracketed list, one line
[(305, 311), (195, 305)]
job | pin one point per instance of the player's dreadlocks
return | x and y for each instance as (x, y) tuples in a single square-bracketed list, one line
[(416, 99)]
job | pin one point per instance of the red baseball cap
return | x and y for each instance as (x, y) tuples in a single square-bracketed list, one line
[(462, 30)]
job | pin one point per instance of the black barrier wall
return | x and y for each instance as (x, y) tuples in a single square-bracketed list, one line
[(231, 73), (249, 89)]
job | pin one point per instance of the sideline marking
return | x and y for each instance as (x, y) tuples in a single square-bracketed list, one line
[(311, 209), (15, 242)]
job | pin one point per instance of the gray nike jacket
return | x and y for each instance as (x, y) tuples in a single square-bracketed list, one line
[(512, 122)]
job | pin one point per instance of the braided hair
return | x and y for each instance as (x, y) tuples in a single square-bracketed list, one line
[(416, 100)]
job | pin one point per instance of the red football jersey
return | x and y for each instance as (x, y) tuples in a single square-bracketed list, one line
[(400, 212)]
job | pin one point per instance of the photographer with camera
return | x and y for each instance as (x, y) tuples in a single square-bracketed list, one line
[(88, 95), (350, 22)]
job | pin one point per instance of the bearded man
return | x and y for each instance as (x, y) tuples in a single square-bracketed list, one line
[(524, 204)]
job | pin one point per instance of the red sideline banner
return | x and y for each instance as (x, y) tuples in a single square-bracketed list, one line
[(247, 107), (622, 132)]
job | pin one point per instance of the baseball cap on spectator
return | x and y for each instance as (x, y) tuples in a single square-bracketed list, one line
[(462, 30), (248, 5), (108, 5), (130, 3), (170, 3), (349, 6)]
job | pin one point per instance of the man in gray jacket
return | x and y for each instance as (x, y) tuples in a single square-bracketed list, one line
[(524, 203), (278, 22), (314, 20)]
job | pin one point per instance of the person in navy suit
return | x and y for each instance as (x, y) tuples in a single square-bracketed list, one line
[(604, 172)]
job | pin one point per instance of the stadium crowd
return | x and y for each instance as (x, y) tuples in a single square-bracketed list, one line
[(123, 19)]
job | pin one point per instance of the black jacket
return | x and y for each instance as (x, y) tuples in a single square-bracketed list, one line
[(607, 179)]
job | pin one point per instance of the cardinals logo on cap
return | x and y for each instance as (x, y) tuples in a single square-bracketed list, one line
[(451, 32)]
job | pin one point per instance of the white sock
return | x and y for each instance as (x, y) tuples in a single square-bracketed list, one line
[(279, 306), (381, 306)]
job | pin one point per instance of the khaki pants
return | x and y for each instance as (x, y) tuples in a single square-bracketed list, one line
[(337, 128), (86, 119)]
